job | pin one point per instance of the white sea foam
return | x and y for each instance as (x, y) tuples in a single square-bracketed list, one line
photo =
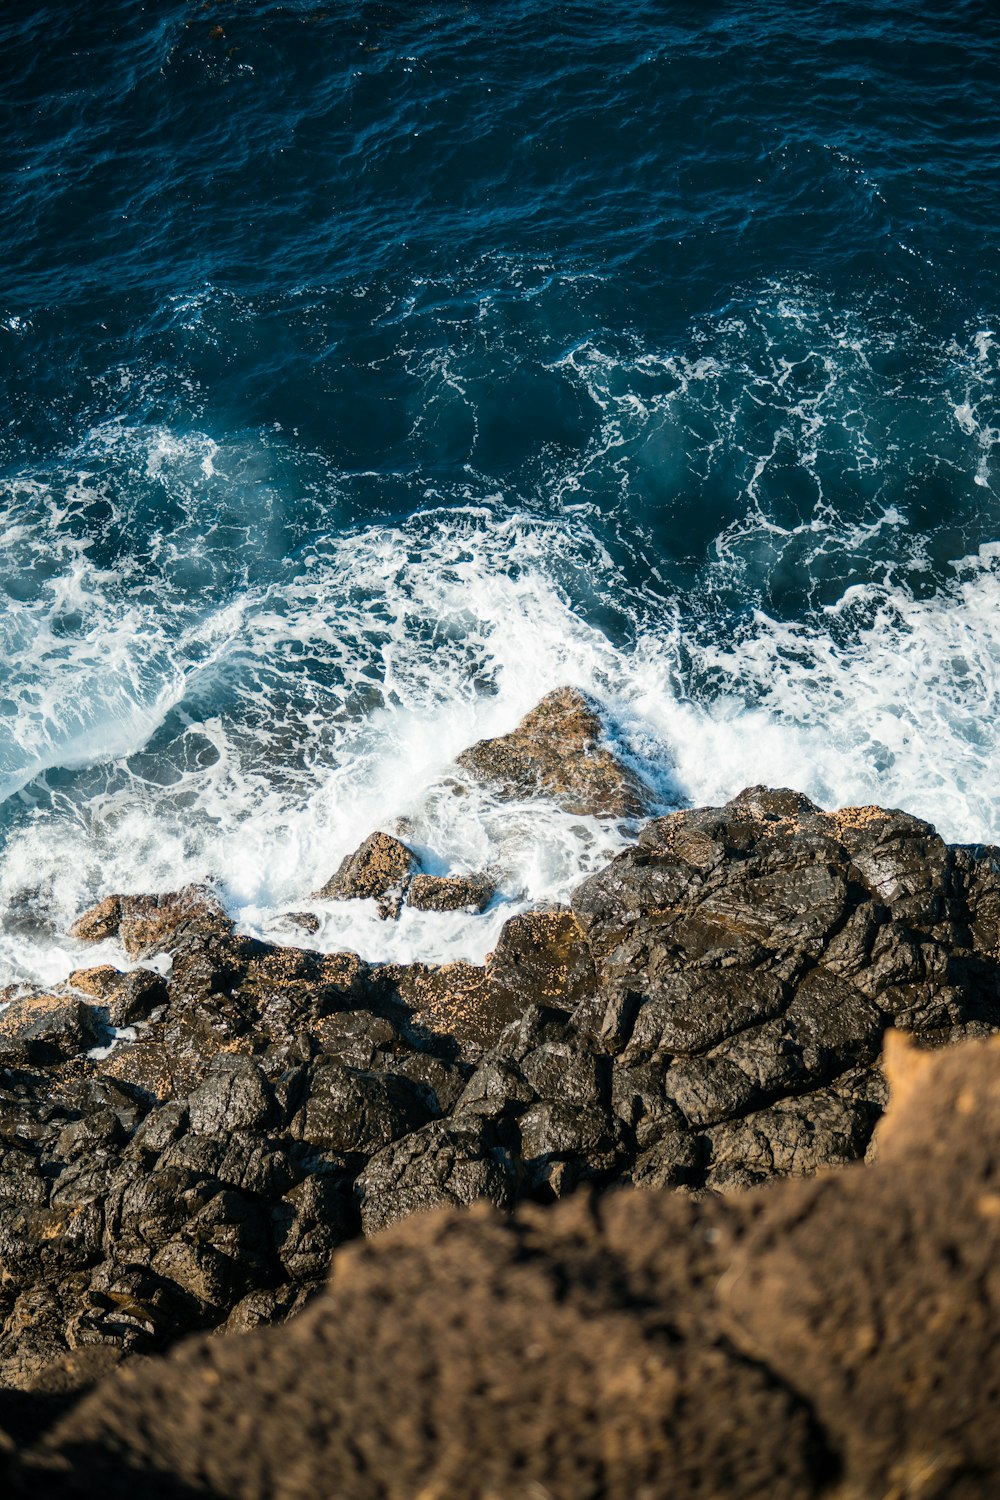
[(176, 713), (449, 629)]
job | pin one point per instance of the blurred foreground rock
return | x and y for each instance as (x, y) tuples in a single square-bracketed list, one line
[(836, 1337)]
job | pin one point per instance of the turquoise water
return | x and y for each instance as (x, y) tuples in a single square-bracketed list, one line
[(368, 371)]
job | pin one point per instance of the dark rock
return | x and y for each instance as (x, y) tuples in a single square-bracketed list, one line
[(310, 1222), (354, 1111), (456, 1161), (688, 1011), (555, 1134), (41, 1029), (449, 892), (234, 1096), (707, 1016), (794, 1137), (301, 921), (129, 997), (838, 1335), (556, 752)]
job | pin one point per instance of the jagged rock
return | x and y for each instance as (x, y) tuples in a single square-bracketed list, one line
[(46, 1028), (147, 925), (99, 983), (378, 870), (707, 1015), (556, 752), (354, 1111), (540, 958), (457, 1162), (98, 922), (129, 996), (151, 924), (833, 1336), (449, 893)]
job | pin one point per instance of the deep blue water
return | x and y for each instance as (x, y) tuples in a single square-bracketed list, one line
[(370, 369)]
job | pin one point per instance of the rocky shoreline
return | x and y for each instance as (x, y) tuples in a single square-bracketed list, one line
[(708, 1013)]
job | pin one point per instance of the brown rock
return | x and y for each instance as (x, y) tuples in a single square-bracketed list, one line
[(893, 1336), (147, 924), (99, 922), (541, 958), (150, 924), (555, 752), (449, 892), (99, 983), (378, 870), (449, 999), (832, 1336)]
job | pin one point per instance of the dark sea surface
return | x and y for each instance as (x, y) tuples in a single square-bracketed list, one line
[(370, 370)]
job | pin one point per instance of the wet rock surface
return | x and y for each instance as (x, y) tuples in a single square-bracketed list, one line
[(379, 870), (708, 1015), (557, 751), (615, 1346), (145, 925), (449, 892)]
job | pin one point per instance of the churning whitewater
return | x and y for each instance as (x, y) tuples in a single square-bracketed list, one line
[(498, 363)]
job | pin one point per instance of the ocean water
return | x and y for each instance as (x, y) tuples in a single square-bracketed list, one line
[(369, 370)]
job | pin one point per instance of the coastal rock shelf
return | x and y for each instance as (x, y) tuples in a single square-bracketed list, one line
[(709, 1013)]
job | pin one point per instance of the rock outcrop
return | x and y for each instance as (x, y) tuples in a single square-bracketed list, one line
[(556, 751), (147, 924), (385, 870), (837, 1337), (449, 893), (709, 1014), (379, 870)]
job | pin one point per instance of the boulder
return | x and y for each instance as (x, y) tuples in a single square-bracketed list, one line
[(98, 922), (379, 870), (449, 893), (443, 1163), (556, 751), (47, 1028)]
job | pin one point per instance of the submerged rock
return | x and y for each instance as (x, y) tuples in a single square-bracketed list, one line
[(556, 752)]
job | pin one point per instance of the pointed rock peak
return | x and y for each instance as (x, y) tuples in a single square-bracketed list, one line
[(556, 751), (378, 870)]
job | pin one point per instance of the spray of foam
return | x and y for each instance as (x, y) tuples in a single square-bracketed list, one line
[(447, 629), (152, 736)]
